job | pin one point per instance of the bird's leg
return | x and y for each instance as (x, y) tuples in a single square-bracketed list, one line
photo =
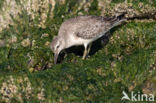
[(89, 47), (85, 51)]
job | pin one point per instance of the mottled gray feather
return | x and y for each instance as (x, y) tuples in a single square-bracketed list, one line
[(95, 26)]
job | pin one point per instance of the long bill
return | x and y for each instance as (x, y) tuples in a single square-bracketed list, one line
[(55, 58)]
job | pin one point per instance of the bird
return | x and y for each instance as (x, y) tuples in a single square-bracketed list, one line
[(83, 30)]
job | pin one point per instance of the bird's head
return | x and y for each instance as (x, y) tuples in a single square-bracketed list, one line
[(57, 45)]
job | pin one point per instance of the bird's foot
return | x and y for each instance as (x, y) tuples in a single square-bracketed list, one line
[(83, 57)]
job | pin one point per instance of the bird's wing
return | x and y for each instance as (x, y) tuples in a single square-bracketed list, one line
[(93, 27), (88, 31), (96, 26)]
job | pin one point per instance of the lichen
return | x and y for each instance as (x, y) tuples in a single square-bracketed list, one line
[(25, 42), (19, 88), (27, 70)]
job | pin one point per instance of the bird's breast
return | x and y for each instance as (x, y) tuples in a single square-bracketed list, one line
[(76, 41)]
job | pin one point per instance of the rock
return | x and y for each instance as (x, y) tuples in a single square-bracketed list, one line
[(2, 43), (149, 87)]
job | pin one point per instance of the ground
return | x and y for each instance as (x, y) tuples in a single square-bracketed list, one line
[(126, 61)]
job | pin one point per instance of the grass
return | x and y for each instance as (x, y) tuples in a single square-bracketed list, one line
[(125, 63)]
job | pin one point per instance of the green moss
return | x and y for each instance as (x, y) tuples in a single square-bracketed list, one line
[(117, 1), (143, 1), (93, 10), (1, 3), (123, 64)]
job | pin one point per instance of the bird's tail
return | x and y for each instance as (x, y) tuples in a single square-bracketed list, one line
[(118, 20)]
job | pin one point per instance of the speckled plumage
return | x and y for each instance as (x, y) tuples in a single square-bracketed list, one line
[(88, 27), (83, 30)]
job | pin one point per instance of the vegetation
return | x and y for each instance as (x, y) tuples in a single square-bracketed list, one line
[(127, 62)]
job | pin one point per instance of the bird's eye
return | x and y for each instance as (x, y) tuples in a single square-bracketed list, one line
[(58, 46)]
